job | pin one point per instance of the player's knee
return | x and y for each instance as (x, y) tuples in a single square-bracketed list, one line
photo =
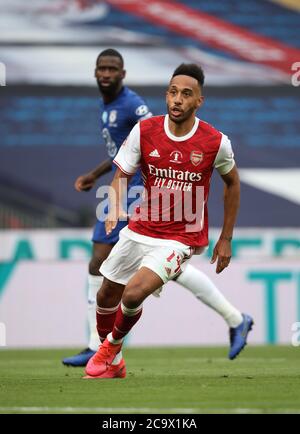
[(107, 296), (133, 296)]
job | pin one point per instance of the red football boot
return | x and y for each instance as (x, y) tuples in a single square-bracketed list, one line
[(113, 371), (103, 359)]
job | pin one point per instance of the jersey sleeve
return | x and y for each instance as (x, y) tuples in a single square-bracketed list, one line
[(224, 161), (139, 110), (129, 156)]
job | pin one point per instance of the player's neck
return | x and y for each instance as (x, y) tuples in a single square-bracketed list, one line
[(110, 97), (181, 129)]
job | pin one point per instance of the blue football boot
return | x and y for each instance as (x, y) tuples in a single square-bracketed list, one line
[(80, 359), (238, 336)]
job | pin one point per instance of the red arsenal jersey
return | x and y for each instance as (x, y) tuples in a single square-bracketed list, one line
[(176, 173)]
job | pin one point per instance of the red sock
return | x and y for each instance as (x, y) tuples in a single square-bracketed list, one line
[(125, 320), (105, 320)]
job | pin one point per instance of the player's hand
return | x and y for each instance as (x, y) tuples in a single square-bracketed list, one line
[(112, 220), (222, 252), (85, 182)]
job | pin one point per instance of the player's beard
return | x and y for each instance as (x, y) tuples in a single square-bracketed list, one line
[(184, 116), (110, 90)]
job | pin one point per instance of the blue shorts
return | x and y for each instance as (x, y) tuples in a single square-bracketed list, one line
[(99, 235)]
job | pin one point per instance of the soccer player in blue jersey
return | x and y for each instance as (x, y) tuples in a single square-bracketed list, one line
[(121, 109)]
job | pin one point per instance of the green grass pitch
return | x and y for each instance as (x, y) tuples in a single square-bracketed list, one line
[(262, 379)]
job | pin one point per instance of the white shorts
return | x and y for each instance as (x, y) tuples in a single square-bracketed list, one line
[(133, 251)]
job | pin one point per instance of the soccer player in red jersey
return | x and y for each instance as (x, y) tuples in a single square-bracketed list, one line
[(121, 109), (176, 154)]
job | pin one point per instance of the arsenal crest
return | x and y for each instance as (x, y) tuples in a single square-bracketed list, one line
[(196, 157)]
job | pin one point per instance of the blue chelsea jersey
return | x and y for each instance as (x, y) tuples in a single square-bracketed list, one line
[(118, 119)]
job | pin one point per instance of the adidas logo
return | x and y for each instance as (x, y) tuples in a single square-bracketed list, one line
[(154, 153)]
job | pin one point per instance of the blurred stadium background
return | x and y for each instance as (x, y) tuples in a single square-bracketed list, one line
[(50, 134)]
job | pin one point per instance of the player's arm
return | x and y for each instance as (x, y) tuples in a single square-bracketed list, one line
[(222, 250), (117, 191), (128, 162), (87, 181), (226, 167)]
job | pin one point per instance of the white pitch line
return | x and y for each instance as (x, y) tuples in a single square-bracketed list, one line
[(101, 410), (135, 410)]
